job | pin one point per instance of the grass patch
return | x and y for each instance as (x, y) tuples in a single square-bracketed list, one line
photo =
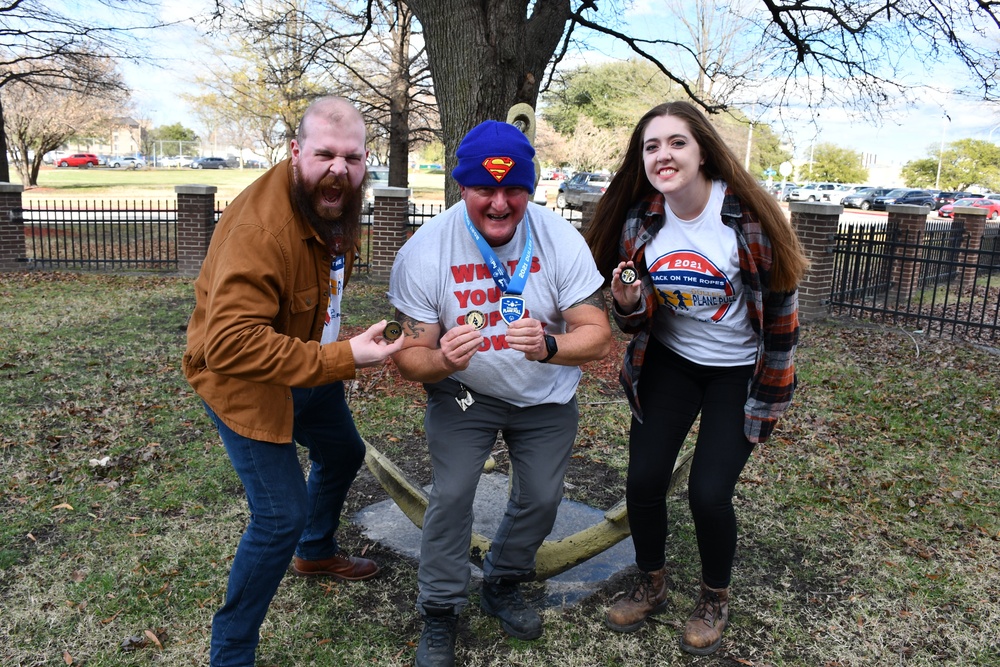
[(869, 522), (150, 185)]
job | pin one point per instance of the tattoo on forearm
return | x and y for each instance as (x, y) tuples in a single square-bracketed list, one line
[(411, 327), (596, 299)]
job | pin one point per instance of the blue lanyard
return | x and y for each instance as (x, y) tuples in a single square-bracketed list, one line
[(506, 284)]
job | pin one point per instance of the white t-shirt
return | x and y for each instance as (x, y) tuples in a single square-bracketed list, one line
[(695, 266), (331, 328), (439, 276)]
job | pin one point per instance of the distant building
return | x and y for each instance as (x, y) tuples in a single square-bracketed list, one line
[(126, 137)]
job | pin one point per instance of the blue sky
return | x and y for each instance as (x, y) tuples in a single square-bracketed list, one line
[(904, 134)]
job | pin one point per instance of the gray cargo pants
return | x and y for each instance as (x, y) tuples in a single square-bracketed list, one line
[(539, 441)]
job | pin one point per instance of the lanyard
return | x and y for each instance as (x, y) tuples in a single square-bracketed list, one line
[(506, 284)]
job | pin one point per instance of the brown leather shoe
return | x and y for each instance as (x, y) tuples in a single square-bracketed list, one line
[(703, 632), (341, 566), (649, 596)]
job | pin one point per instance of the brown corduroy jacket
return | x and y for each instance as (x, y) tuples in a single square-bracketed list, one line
[(261, 301)]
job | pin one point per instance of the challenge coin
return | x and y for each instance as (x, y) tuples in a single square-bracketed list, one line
[(628, 275), (476, 318), (392, 331)]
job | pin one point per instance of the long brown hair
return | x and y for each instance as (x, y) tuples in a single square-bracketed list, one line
[(630, 185)]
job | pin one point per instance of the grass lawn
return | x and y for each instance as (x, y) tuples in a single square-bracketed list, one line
[(144, 185), (869, 522)]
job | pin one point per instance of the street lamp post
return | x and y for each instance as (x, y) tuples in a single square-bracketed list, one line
[(937, 181)]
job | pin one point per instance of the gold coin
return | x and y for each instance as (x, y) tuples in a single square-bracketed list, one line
[(392, 331), (476, 318)]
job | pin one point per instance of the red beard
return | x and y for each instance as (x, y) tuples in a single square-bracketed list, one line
[(332, 208)]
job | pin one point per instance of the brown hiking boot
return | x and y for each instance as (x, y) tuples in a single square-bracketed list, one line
[(649, 596), (703, 632)]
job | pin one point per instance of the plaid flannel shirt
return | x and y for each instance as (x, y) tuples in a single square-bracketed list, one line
[(773, 315)]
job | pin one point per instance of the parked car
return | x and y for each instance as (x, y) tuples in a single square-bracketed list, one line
[(378, 177), (571, 192), (946, 210), (84, 160), (904, 196), (782, 192), (174, 161), (811, 192), (128, 162), (943, 198), (863, 198), (992, 207), (209, 163), (836, 196)]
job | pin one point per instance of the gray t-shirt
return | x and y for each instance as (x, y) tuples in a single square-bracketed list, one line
[(439, 276)]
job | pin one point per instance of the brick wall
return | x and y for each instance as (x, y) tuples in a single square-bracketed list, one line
[(388, 229), (11, 228), (195, 224), (816, 223)]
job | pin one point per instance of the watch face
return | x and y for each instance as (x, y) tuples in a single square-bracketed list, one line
[(550, 346)]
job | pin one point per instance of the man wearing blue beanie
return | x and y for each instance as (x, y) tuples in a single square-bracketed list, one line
[(500, 302)]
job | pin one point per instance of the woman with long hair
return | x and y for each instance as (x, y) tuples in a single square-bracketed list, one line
[(704, 269)]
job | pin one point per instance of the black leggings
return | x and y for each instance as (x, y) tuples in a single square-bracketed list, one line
[(672, 391)]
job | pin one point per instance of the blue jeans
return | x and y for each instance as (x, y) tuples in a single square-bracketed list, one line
[(288, 516)]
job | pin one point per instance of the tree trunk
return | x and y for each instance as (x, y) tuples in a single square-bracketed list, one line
[(485, 57), (4, 165), (399, 99)]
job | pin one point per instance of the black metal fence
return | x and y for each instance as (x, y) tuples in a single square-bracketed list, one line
[(102, 236), (931, 280), (142, 236), (417, 215)]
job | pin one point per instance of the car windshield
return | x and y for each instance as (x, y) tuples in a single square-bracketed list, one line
[(896, 193), (966, 202)]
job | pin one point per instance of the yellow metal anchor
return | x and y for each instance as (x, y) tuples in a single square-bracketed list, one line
[(554, 556)]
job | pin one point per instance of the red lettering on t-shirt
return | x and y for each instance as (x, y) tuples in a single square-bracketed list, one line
[(463, 273)]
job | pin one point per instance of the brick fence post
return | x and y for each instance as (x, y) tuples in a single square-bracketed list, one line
[(195, 224), (11, 228), (910, 222), (388, 229), (816, 224), (969, 220)]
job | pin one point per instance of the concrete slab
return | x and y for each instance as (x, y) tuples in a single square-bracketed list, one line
[(386, 523)]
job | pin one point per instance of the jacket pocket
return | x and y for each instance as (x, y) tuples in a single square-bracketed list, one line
[(305, 299), (302, 313)]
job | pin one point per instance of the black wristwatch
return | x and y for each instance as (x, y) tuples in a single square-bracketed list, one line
[(550, 345)]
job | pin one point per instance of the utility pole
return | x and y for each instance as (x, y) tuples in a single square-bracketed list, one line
[(944, 126)]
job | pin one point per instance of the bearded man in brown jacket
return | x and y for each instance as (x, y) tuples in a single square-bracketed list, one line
[(264, 357)]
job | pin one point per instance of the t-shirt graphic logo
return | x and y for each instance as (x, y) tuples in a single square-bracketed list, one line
[(688, 283), (498, 167)]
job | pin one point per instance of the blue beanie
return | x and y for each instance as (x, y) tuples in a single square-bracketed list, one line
[(495, 155)]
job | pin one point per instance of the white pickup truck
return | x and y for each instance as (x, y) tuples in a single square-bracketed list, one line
[(837, 195), (811, 192)]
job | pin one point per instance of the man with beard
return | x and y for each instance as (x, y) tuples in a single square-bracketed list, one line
[(263, 355)]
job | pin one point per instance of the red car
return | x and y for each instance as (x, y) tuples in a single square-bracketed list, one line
[(945, 211), (992, 207), (85, 160)]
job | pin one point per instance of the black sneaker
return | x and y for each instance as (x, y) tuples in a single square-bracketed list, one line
[(437, 641), (503, 600)]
